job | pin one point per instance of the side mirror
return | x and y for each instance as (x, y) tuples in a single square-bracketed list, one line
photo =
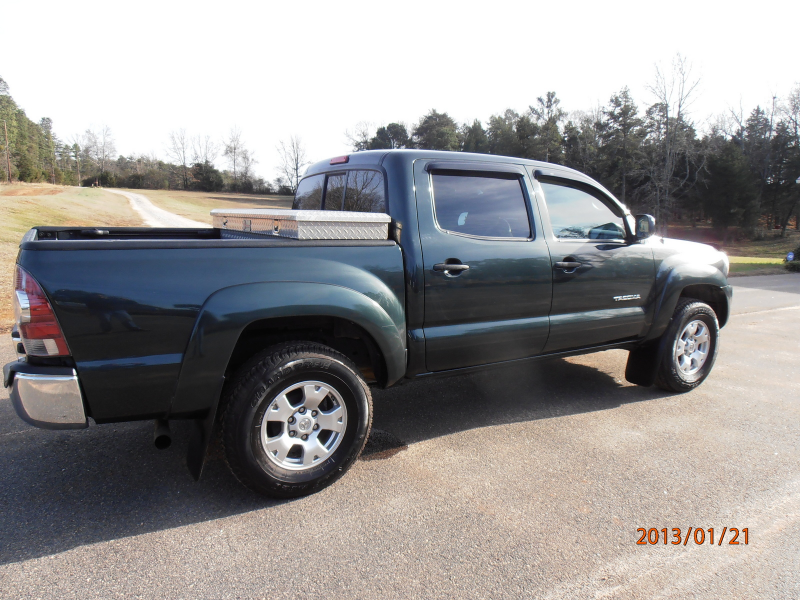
[(645, 226)]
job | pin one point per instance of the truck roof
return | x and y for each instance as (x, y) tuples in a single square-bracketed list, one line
[(378, 157)]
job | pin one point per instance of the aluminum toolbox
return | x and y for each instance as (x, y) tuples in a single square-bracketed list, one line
[(301, 224)]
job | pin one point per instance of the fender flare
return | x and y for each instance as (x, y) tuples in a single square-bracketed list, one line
[(227, 312), (672, 284), (643, 361)]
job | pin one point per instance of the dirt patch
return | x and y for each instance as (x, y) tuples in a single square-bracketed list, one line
[(32, 191), (382, 444)]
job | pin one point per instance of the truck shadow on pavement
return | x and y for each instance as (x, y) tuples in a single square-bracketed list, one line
[(62, 490)]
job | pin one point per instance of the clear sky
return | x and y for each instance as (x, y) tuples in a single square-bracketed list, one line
[(315, 69)]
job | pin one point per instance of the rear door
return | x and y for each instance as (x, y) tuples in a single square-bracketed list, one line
[(486, 263), (601, 279)]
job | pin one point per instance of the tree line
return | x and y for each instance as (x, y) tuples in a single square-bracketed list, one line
[(32, 152), (743, 171)]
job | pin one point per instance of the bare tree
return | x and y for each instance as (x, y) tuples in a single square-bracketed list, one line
[(293, 159), (247, 161), (674, 93), (105, 146), (791, 110), (178, 151), (233, 152), (204, 150), (360, 137)]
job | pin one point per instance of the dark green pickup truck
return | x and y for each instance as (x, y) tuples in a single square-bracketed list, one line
[(488, 260)]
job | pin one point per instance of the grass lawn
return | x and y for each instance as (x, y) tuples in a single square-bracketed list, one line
[(756, 269), (23, 205), (772, 246), (197, 205)]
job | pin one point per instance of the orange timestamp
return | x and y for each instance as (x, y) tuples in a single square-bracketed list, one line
[(699, 535)]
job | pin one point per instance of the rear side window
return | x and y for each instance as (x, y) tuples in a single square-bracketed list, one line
[(364, 192), (309, 193), (575, 214), (358, 190), (480, 204), (334, 191)]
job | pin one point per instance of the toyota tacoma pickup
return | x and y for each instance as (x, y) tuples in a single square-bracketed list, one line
[(487, 261)]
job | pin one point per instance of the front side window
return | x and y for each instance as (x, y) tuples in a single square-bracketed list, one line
[(309, 193), (575, 214), (480, 204)]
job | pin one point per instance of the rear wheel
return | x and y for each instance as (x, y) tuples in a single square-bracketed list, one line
[(297, 417), (692, 339)]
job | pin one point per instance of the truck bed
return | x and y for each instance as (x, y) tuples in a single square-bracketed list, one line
[(99, 238), (128, 313)]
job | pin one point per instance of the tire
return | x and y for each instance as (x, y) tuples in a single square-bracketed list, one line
[(296, 417), (692, 339)]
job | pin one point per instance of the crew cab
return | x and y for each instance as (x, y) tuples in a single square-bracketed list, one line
[(488, 260)]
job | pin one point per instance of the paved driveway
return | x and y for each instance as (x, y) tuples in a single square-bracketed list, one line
[(511, 483)]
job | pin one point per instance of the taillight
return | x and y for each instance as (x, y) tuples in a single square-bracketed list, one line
[(38, 327)]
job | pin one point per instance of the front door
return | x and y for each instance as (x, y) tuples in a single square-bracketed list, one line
[(601, 280), (487, 267)]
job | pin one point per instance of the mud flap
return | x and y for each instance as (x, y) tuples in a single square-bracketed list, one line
[(201, 437), (643, 364)]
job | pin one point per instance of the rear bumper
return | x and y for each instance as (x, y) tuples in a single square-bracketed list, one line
[(47, 397)]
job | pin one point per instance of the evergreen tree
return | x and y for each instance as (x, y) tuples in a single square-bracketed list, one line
[(436, 131), (548, 115), (475, 138), (502, 134), (582, 144), (394, 135), (730, 197), (621, 137)]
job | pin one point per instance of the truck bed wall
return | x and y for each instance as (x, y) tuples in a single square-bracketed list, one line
[(128, 314)]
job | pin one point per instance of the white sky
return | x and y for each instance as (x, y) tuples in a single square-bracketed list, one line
[(316, 69)]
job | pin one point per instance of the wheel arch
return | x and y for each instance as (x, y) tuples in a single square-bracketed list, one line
[(683, 281), (712, 295), (703, 282), (234, 317)]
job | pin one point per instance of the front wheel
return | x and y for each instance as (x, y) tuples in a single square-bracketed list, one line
[(692, 340), (297, 417)]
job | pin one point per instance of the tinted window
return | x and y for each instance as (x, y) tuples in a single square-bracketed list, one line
[(478, 204), (365, 192), (575, 214), (334, 191), (309, 193)]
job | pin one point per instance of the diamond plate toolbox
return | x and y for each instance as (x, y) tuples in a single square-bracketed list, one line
[(302, 224)]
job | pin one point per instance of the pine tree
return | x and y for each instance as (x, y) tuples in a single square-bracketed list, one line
[(621, 137)]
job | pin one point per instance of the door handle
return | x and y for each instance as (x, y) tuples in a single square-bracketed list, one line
[(567, 266), (450, 268)]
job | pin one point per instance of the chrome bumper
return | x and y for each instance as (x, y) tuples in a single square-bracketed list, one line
[(47, 397)]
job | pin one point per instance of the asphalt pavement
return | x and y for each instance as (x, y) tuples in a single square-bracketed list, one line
[(512, 483)]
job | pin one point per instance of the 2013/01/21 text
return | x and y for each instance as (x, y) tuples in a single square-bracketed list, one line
[(654, 536)]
